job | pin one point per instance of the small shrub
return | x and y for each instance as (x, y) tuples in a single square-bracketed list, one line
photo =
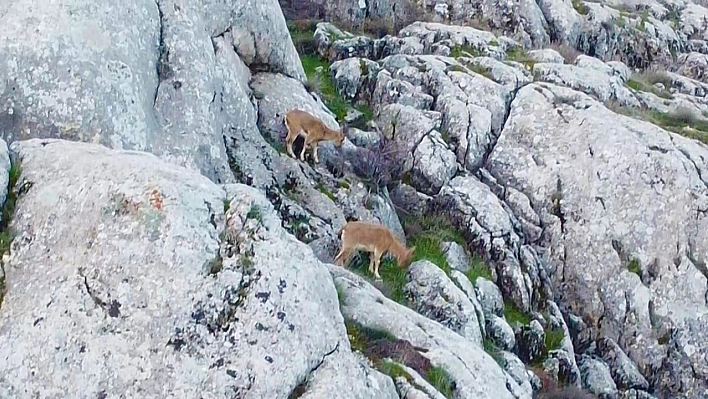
[(518, 54), (514, 315), (8, 210), (441, 380), (645, 81), (381, 164)]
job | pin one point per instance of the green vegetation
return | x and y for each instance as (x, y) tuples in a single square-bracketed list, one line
[(394, 370), (554, 338), (646, 80), (635, 267), (302, 33), (393, 277), (514, 315), (324, 190), (492, 350), (8, 210), (641, 25), (464, 51), (580, 7), (255, 213), (319, 81), (227, 205), (441, 380), (427, 233), (518, 54), (317, 71), (479, 69), (478, 268)]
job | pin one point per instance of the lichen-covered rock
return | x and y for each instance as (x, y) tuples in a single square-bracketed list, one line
[(500, 332), (530, 341), (474, 372), (517, 370), (489, 297), (596, 377), (592, 236), (432, 294), (624, 371), (161, 283), (455, 255)]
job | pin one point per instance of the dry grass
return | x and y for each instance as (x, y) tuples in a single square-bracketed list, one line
[(645, 81)]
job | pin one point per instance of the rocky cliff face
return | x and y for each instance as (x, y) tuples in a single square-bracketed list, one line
[(157, 241)]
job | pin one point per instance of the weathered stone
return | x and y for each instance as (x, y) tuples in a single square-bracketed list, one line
[(432, 294), (144, 266), (596, 377)]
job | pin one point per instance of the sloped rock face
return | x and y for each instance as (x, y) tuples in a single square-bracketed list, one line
[(637, 187), (475, 372), (132, 276), (158, 86)]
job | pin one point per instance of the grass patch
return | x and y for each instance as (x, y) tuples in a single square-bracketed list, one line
[(681, 121), (324, 190), (478, 269), (317, 71), (580, 7), (645, 81), (464, 51), (255, 213), (518, 54), (492, 350), (394, 370), (480, 70), (302, 33), (554, 338), (514, 315), (635, 267), (427, 233), (8, 210), (394, 278), (319, 81), (441, 380)]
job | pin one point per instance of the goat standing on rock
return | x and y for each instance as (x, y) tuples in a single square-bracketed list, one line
[(312, 129), (375, 238)]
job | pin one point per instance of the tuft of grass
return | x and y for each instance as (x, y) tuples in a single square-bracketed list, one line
[(394, 278), (393, 370), (518, 54), (514, 315), (441, 380), (427, 233), (464, 51), (478, 69), (255, 213), (580, 7), (302, 33), (359, 336), (478, 268), (317, 71), (645, 81), (227, 205), (641, 25), (324, 190), (320, 81), (554, 337), (635, 267), (492, 350)]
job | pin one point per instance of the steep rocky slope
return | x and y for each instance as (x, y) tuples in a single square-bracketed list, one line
[(556, 200)]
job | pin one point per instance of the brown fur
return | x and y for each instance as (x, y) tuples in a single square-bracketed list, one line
[(312, 129), (375, 238)]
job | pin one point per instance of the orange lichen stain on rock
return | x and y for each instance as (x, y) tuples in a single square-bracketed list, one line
[(156, 199)]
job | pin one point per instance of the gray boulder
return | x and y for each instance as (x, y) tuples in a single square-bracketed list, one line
[(160, 282)]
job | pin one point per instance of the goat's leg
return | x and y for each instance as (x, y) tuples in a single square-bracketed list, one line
[(377, 262), (304, 147), (315, 147)]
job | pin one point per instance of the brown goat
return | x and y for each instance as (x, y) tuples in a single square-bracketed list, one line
[(312, 129)]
